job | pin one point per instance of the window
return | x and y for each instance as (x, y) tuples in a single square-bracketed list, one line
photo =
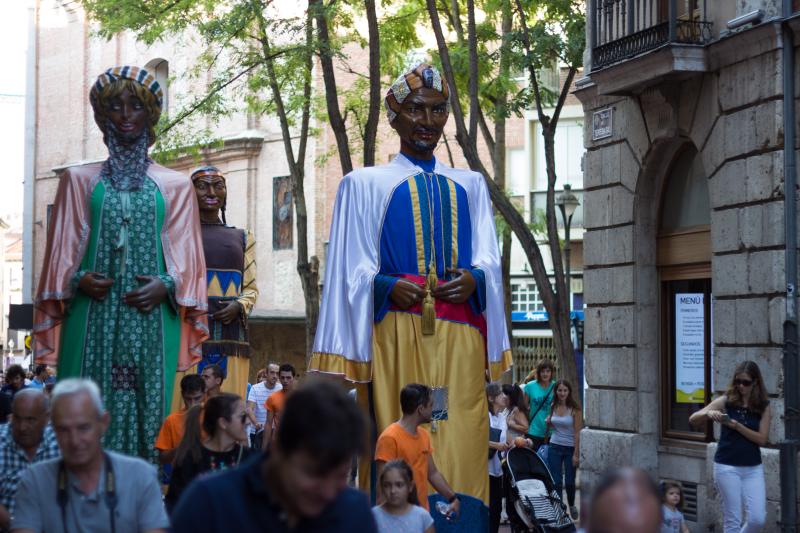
[(525, 296), (160, 69), (684, 263)]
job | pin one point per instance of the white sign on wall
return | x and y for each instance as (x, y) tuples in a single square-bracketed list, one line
[(602, 123), (690, 342)]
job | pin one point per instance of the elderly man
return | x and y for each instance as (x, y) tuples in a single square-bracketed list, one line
[(27, 440), (88, 489), (414, 241)]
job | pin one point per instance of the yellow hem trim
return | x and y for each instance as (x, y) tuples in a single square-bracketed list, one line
[(496, 369), (331, 363)]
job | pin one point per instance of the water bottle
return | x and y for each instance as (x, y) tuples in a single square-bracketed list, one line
[(444, 509)]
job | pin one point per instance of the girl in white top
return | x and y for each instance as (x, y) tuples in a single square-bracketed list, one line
[(497, 445), (563, 453), (400, 512)]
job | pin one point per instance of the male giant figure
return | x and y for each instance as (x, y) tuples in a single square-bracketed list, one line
[(414, 243)]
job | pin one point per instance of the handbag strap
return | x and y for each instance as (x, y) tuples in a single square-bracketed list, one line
[(546, 396)]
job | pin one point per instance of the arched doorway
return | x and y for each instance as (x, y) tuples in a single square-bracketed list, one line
[(684, 267)]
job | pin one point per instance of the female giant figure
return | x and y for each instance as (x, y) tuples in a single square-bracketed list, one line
[(122, 295)]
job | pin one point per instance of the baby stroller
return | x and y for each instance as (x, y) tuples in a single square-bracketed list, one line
[(532, 503)]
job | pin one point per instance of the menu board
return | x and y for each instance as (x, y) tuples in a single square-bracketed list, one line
[(690, 345)]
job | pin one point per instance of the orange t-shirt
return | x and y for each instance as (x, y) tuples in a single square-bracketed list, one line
[(397, 443), (274, 405), (171, 432)]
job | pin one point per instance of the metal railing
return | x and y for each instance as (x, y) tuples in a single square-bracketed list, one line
[(621, 29), (528, 351)]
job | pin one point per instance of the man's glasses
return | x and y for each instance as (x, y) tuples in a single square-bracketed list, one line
[(745, 382), (243, 417)]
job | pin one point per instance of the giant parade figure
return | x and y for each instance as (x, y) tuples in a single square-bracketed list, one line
[(230, 255), (413, 290), (122, 295)]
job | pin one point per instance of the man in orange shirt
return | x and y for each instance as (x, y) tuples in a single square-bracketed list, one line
[(274, 403), (193, 390), (405, 440)]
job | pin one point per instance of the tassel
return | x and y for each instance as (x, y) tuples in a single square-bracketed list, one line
[(428, 309), (428, 315)]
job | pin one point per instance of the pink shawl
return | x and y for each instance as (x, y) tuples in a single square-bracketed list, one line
[(67, 240)]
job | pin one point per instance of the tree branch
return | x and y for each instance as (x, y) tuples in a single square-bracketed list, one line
[(331, 92), (526, 40), (197, 105), (472, 41), (371, 128)]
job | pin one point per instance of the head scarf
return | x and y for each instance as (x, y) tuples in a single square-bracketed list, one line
[(206, 170), (127, 163), (420, 75)]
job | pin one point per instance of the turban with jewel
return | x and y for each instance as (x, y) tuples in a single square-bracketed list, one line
[(420, 75)]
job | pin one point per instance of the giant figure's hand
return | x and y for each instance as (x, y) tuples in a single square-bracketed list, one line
[(458, 290), (149, 295), (406, 293), (229, 313), (95, 285)]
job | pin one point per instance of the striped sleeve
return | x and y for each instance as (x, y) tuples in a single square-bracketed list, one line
[(249, 288)]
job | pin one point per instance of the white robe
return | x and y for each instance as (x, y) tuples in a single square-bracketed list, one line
[(353, 259)]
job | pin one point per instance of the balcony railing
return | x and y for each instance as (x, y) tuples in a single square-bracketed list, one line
[(622, 29)]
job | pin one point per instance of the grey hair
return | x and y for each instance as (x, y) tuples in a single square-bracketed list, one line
[(34, 394), (493, 389), (72, 386)]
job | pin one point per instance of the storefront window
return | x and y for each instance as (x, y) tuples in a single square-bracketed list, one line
[(684, 263)]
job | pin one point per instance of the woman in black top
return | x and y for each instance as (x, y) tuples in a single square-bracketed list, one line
[(217, 448), (744, 414)]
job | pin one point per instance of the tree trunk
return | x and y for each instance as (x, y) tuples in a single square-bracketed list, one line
[(499, 163), (307, 268), (559, 321), (371, 128), (331, 93)]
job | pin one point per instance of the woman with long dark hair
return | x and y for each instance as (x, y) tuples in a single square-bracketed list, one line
[(744, 415), (517, 419), (563, 453), (217, 447)]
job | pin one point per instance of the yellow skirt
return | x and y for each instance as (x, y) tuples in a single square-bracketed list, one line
[(235, 381), (454, 357)]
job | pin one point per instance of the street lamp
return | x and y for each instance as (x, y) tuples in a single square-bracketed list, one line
[(567, 203)]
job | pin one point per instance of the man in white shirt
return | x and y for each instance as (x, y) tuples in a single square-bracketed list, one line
[(259, 393)]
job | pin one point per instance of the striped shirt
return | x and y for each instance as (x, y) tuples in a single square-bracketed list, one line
[(14, 461), (259, 393)]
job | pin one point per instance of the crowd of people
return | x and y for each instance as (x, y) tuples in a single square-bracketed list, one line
[(286, 453)]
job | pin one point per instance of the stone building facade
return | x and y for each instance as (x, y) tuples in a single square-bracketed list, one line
[(683, 198)]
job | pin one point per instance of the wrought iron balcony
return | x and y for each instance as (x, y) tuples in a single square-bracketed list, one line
[(622, 29)]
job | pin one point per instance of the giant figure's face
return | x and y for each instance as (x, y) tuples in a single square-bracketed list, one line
[(420, 122), (128, 114), (211, 193)]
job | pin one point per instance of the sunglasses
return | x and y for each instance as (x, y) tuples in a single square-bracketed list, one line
[(745, 382)]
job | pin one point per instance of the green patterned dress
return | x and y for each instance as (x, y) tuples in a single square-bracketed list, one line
[(131, 355)]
